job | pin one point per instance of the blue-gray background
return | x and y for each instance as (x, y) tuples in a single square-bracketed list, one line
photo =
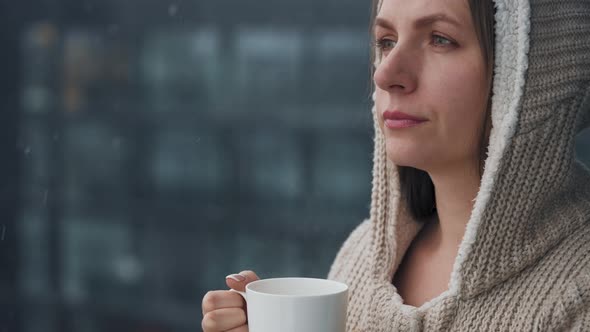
[(150, 148)]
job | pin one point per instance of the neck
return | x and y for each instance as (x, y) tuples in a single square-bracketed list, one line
[(455, 193)]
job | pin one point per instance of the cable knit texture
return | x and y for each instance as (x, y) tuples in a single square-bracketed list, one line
[(524, 261)]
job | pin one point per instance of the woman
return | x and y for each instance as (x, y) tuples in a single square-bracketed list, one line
[(480, 214)]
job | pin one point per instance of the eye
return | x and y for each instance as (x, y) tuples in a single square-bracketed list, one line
[(441, 41), (385, 44)]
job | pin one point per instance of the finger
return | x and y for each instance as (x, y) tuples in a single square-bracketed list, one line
[(243, 328), (239, 281), (223, 319), (221, 299)]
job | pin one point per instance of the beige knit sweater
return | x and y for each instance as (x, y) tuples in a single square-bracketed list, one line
[(524, 261)]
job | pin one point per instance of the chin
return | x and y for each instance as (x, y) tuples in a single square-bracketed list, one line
[(407, 157)]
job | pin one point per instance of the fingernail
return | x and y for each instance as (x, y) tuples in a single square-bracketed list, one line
[(236, 277)]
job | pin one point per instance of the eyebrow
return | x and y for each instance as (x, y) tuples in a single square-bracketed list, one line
[(426, 20)]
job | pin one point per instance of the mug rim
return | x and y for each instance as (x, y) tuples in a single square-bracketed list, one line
[(344, 287)]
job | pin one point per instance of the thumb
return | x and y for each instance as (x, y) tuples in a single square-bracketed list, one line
[(239, 281)]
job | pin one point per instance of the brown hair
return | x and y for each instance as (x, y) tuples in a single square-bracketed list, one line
[(416, 185)]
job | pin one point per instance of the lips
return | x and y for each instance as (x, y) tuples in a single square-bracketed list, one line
[(397, 115), (397, 120)]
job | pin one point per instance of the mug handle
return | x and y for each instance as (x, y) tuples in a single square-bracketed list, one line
[(241, 293)]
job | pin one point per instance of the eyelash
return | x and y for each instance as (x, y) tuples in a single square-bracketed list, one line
[(380, 42)]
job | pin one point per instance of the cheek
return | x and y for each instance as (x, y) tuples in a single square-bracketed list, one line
[(380, 97), (381, 100), (458, 95)]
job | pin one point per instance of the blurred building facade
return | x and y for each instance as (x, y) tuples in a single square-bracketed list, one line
[(164, 145)]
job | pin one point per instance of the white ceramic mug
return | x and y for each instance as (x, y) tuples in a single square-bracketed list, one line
[(296, 305)]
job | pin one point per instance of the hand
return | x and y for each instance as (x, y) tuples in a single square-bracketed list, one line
[(225, 311)]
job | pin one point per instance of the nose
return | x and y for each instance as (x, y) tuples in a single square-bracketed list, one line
[(397, 71)]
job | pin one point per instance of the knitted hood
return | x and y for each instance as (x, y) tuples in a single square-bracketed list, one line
[(540, 102)]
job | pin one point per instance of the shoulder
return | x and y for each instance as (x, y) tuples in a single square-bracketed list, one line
[(351, 250), (360, 232), (571, 309), (552, 294)]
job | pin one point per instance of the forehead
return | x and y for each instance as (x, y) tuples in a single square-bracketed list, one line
[(410, 10)]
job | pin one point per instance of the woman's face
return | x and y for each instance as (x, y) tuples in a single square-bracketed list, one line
[(431, 67)]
